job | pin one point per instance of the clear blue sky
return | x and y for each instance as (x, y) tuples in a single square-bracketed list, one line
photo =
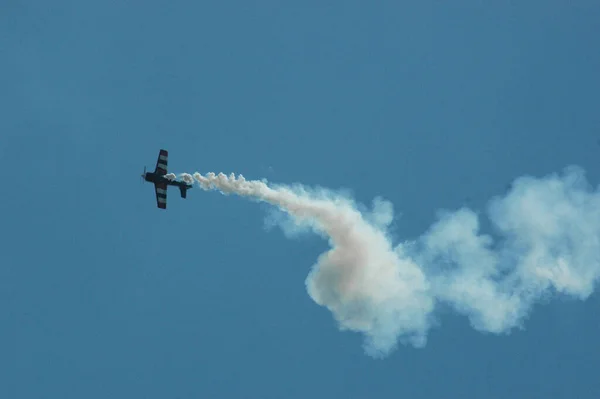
[(430, 105)]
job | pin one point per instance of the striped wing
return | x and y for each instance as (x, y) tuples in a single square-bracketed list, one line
[(161, 195), (161, 163)]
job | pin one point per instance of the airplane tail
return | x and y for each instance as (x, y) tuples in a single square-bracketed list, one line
[(183, 191)]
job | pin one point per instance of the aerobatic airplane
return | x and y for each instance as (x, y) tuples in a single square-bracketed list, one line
[(161, 182)]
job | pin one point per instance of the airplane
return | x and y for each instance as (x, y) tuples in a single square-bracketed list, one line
[(161, 182)]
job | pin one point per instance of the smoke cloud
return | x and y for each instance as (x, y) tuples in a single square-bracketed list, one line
[(548, 242)]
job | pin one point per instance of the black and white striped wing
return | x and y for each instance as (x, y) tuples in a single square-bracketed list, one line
[(161, 163)]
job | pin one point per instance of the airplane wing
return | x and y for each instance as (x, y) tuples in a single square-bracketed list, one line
[(161, 195), (161, 163)]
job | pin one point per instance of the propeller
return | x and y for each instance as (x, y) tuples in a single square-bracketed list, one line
[(144, 174)]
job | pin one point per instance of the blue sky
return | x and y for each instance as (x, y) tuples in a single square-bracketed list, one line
[(431, 106)]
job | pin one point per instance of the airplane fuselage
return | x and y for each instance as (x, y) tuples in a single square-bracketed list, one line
[(161, 179)]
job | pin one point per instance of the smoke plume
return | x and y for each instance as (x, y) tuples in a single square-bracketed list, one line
[(548, 242)]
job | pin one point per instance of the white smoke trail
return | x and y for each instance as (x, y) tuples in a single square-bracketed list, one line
[(550, 230)]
